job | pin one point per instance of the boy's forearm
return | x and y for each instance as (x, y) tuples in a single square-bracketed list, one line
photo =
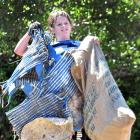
[(21, 46)]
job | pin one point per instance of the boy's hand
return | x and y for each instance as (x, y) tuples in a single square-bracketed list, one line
[(35, 25), (92, 40)]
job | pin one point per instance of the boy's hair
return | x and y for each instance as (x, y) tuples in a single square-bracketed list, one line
[(53, 16)]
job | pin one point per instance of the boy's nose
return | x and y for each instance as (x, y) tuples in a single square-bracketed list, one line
[(63, 25)]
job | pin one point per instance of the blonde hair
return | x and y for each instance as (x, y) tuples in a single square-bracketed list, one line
[(53, 16)]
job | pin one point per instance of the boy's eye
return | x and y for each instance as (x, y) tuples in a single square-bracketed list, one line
[(59, 24)]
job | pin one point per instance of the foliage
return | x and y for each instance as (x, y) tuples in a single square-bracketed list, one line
[(115, 22)]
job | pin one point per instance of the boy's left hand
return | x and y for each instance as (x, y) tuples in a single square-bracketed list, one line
[(92, 39)]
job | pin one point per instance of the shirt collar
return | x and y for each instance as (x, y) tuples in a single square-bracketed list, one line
[(69, 43)]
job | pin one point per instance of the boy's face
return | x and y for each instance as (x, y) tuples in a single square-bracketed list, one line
[(62, 28)]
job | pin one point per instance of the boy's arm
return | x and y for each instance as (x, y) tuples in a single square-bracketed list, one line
[(21, 46)]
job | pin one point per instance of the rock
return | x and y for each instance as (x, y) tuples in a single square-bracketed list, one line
[(48, 129)]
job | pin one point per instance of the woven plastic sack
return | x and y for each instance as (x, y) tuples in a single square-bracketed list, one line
[(106, 113)]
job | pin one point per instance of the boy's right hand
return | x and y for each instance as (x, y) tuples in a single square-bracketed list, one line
[(35, 25)]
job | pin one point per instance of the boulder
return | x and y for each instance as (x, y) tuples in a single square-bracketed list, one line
[(48, 129)]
